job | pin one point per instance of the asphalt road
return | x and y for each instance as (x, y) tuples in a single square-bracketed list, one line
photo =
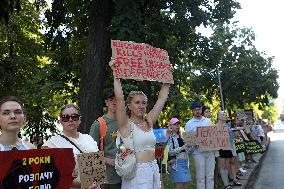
[(271, 174)]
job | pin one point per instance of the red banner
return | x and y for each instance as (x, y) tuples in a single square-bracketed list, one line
[(37, 169), (141, 61)]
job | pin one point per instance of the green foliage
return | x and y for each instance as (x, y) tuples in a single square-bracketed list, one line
[(265, 111), (21, 67), (8, 7), (246, 74), (45, 70), (271, 113)]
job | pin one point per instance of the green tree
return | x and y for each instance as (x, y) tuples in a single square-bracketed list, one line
[(246, 74), (21, 66), (77, 51), (170, 25)]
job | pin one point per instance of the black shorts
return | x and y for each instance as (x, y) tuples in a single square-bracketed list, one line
[(225, 154)]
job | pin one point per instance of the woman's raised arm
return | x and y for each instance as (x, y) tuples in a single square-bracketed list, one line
[(158, 107), (121, 116)]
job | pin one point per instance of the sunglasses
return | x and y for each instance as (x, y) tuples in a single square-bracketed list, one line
[(66, 118)]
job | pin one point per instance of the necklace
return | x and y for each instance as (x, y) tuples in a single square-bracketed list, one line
[(141, 124)]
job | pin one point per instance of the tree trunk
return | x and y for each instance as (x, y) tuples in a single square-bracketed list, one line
[(94, 66)]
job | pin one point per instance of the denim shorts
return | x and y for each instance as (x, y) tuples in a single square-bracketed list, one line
[(180, 171)]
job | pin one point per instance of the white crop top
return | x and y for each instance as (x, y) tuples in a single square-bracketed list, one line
[(142, 140)]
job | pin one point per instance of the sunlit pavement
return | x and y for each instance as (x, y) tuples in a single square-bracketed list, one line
[(276, 136), (272, 169)]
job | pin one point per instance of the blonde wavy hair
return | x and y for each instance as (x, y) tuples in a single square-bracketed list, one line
[(220, 113), (130, 96)]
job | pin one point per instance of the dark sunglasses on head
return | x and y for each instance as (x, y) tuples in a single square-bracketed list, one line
[(66, 118)]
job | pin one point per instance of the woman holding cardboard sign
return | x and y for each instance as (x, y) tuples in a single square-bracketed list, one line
[(226, 158), (70, 120), (134, 126), (12, 118)]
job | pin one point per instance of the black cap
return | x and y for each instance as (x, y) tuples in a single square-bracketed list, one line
[(109, 94), (196, 105)]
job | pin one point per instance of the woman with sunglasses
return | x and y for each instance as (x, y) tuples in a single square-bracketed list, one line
[(12, 119), (70, 120)]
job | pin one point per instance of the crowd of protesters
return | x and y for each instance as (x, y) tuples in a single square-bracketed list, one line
[(231, 164), (136, 130), (131, 119)]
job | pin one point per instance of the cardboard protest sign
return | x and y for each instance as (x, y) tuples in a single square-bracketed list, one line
[(253, 147), (243, 134), (249, 115), (34, 169), (141, 61), (240, 145), (240, 115), (190, 139), (249, 147), (92, 168), (213, 138)]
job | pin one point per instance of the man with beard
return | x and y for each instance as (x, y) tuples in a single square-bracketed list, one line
[(204, 160)]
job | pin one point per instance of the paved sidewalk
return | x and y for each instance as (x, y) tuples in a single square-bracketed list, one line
[(249, 177), (245, 179)]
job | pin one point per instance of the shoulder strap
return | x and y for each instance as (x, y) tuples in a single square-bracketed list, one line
[(173, 142), (119, 139), (72, 143), (103, 130)]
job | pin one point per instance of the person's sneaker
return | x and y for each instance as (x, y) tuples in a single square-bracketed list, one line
[(236, 183), (228, 187), (242, 170)]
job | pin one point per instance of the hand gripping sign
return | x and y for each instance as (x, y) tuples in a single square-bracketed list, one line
[(141, 61)]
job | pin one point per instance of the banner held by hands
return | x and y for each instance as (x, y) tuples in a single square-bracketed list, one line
[(190, 139), (213, 138), (141, 61)]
